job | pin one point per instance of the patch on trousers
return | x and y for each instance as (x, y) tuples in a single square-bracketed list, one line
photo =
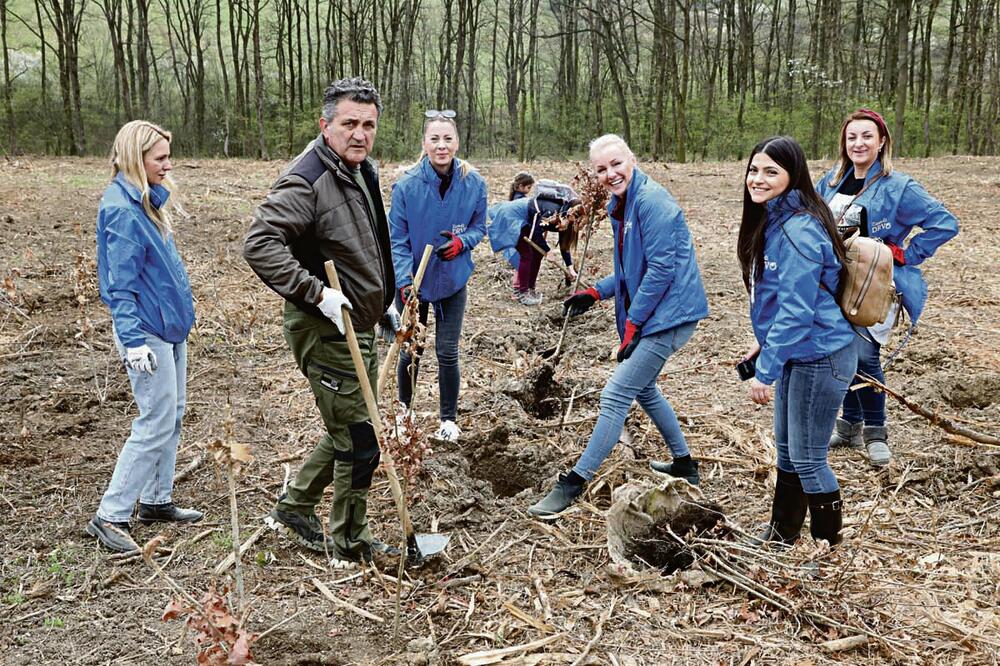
[(366, 454)]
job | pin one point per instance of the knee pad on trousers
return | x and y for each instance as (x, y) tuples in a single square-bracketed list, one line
[(365, 456)]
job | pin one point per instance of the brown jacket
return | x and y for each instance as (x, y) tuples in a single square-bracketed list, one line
[(315, 211)]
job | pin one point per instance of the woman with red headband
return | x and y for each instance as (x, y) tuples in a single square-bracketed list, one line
[(867, 196)]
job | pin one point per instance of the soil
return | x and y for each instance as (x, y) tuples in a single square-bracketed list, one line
[(659, 548), (917, 572)]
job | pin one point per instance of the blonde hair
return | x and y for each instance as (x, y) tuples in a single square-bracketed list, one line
[(464, 167), (608, 140), (133, 141), (844, 163)]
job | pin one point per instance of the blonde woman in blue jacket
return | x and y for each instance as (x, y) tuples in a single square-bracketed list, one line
[(143, 282), (441, 201), (790, 257), (868, 196), (659, 300)]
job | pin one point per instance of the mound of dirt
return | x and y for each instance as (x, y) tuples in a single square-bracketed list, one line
[(508, 469), (538, 392), (979, 391)]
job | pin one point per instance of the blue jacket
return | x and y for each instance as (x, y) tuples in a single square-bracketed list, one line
[(657, 274), (506, 221), (418, 216), (141, 277), (793, 318), (895, 204)]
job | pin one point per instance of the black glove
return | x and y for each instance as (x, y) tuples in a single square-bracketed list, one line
[(580, 302)]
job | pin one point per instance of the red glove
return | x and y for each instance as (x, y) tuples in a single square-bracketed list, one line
[(629, 341), (404, 293), (580, 302), (449, 250), (897, 254)]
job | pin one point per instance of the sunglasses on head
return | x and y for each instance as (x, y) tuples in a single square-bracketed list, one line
[(443, 113)]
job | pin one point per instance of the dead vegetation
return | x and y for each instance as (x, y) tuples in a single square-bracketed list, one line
[(915, 581)]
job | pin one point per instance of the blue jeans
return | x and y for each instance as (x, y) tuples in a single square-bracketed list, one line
[(145, 467), (448, 315), (635, 380), (806, 400), (866, 404)]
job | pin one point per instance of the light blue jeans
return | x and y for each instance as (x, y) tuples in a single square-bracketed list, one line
[(145, 467), (634, 380), (807, 398)]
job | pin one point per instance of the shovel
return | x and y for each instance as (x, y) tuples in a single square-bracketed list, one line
[(418, 546), (390, 357)]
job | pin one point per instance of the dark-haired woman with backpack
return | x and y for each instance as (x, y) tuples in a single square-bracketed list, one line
[(790, 256), (867, 196)]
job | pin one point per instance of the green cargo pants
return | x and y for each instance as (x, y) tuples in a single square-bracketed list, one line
[(348, 453)]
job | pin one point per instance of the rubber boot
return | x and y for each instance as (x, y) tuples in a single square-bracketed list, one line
[(877, 443), (825, 516), (847, 434), (788, 511), (568, 487), (684, 467)]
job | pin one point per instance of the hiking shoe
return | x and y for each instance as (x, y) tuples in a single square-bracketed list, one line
[(167, 513), (529, 298), (877, 443), (305, 530), (113, 536), (847, 434), (568, 487), (683, 468), (449, 432)]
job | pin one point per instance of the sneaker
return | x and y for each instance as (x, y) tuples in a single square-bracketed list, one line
[(167, 513), (530, 297), (448, 432), (305, 530), (345, 561), (113, 536)]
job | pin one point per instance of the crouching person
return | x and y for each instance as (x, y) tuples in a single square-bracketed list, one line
[(327, 205), (659, 299)]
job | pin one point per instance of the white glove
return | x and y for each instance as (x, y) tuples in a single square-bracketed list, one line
[(333, 300), (141, 359), (389, 324)]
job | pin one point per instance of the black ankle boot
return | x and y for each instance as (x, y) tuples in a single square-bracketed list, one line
[(826, 517), (684, 467), (568, 487), (788, 511)]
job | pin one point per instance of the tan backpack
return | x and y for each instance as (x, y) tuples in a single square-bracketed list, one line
[(866, 287)]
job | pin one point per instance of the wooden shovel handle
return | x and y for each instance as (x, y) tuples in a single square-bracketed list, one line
[(390, 357), (373, 414)]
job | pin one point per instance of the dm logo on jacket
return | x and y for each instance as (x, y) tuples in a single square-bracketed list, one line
[(628, 227), (458, 228), (770, 265)]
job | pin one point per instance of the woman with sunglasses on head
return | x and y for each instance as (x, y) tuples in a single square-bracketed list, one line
[(790, 255), (441, 201), (868, 197)]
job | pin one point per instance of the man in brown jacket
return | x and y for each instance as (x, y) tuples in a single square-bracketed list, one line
[(327, 205)]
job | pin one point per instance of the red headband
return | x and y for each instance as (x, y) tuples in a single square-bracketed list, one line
[(877, 119)]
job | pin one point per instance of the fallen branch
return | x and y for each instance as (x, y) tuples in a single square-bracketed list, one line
[(230, 559), (946, 424), (345, 604), (484, 657)]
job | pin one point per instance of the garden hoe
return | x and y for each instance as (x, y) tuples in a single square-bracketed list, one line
[(419, 547)]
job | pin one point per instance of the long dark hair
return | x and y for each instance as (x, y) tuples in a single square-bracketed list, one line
[(521, 179), (787, 152)]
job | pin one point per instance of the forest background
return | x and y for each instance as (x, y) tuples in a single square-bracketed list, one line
[(682, 80)]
